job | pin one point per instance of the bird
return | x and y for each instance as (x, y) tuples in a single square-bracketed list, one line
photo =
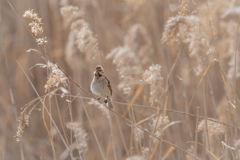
[(100, 86)]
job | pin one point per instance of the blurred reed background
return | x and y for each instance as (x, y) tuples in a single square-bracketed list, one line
[(173, 67)]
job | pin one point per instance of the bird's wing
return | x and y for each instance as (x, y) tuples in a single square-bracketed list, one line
[(107, 82)]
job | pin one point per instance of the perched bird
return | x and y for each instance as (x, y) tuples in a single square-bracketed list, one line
[(101, 86)]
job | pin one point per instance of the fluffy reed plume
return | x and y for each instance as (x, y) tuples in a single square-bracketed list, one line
[(70, 14), (86, 41), (24, 117), (139, 134), (135, 158), (78, 24), (36, 29), (145, 152), (186, 28), (232, 37), (199, 45), (176, 25), (153, 77), (80, 35), (183, 8), (72, 53), (100, 106), (36, 24), (213, 127), (80, 135), (41, 41), (158, 124), (20, 130), (56, 78), (131, 57)]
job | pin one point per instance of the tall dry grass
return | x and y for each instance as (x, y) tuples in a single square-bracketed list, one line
[(173, 68)]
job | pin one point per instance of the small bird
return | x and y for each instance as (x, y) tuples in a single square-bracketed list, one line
[(101, 85)]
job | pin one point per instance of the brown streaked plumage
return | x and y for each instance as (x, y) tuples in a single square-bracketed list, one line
[(101, 85)]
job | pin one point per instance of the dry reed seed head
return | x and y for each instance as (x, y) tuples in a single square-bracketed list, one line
[(20, 128), (78, 24), (102, 107), (41, 41), (127, 90), (172, 28), (232, 34), (36, 28), (32, 15), (198, 70), (35, 25), (210, 49), (56, 78), (213, 127), (70, 14), (72, 53), (126, 63), (80, 136), (183, 8), (130, 58), (162, 121), (87, 43), (153, 77), (26, 119), (145, 151), (196, 47), (123, 59), (136, 157), (139, 134)]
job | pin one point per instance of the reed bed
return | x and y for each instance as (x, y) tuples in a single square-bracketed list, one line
[(173, 67)]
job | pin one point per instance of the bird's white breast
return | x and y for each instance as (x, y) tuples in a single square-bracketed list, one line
[(97, 87)]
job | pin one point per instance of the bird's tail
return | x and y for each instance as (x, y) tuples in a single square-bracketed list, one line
[(109, 103)]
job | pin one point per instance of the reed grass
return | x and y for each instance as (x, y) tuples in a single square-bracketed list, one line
[(173, 68)]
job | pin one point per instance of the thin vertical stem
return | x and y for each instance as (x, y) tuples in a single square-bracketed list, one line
[(9, 85), (55, 125), (93, 130), (235, 84), (205, 113), (196, 135), (111, 127)]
